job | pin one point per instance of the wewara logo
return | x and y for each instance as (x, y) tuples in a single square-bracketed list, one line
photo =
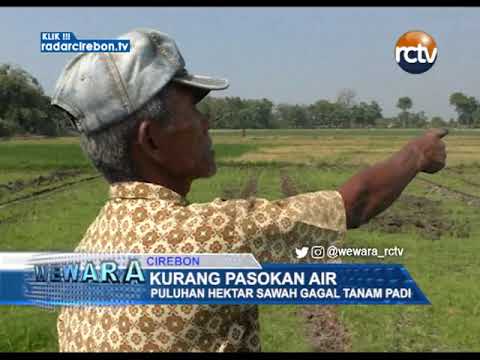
[(416, 52)]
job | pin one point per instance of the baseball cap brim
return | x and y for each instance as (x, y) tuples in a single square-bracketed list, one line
[(202, 82)]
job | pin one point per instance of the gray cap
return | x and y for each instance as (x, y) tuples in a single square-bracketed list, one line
[(101, 89)]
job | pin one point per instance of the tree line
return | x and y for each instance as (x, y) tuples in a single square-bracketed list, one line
[(25, 109), (343, 112)]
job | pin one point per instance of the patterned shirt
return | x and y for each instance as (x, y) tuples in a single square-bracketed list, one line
[(148, 218)]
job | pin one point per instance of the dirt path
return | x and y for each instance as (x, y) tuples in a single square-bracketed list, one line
[(325, 330)]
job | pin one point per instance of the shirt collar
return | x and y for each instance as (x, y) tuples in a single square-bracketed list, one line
[(144, 190)]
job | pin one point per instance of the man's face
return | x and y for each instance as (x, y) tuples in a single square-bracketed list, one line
[(185, 141)]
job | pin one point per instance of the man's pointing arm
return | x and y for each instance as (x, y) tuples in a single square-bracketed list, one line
[(373, 190)]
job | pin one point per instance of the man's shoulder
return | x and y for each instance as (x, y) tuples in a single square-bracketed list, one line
[(326, 201), (218, 206), (229, 207)]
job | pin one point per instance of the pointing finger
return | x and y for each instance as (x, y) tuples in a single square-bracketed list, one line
[(440, 133)]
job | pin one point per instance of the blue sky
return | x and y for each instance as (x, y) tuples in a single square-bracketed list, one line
[(292, 55)]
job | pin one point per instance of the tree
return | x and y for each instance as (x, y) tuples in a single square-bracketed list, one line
[(438, 122), (404, 104), (465, 106), (246, 117), (417, 120), (476, 118), (346, 100), (291, 116), (281, 116), (452, 123), (7, 129), (323, 113), (263, 113), (25, 107), (300, 117), (366, 114), (346, 97)]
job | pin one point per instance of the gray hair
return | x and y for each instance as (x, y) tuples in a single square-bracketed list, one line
[(110, 149)]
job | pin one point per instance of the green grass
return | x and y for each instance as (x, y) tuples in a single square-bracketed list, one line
[(226, 151), (26, 329), (282, 330), (22, 175), (27, 156), (447, 273), (50, 223), (54, 222), (446, 269), (18, 155), (204, 190)]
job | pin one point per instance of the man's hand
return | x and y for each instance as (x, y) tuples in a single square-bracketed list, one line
[(431, 150), (373, 190)]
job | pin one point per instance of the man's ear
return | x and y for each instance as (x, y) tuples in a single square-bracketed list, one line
[(149, 140)]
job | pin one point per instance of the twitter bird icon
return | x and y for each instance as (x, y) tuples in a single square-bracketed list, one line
[(301, 253)]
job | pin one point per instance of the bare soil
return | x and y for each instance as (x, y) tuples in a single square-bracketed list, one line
[(420, 214), (325, 330)]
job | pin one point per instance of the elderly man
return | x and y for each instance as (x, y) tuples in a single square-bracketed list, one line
[(141, 129)]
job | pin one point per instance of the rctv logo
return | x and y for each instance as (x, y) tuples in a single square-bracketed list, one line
[(416, 52)]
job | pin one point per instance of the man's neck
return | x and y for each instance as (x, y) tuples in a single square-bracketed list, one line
[(180, 186)]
